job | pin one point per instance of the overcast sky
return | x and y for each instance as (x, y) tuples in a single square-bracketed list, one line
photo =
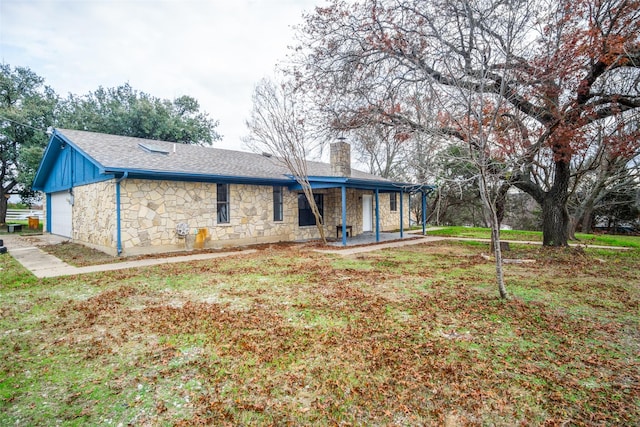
[(212, 50)]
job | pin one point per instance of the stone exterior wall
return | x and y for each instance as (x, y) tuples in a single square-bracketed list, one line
[(390, 220), (94, 215), (151, 210)]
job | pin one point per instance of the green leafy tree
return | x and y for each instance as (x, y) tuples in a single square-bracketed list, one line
[(125, 111), (26, 111)]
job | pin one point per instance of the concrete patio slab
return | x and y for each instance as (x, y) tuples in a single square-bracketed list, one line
[(353, 250)]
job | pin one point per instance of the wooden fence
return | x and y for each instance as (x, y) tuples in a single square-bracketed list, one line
[(23, 214)]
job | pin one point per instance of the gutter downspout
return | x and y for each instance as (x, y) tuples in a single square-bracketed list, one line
[(118, 228)]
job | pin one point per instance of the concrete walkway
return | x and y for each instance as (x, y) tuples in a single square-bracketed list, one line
[(43, 265), (40, 263), (25, 250)]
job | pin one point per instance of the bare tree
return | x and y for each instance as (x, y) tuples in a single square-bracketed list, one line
[(558, 67), (599, 174), (278, 125), (380, 148)]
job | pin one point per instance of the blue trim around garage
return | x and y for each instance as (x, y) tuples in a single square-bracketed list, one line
[(48, 230)]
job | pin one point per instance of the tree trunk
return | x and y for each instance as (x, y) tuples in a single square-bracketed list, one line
[(555, 215), (5, 192), (497, 252), (587, 220), (555, 222), (3, 207), (573, 226), (501, 202)]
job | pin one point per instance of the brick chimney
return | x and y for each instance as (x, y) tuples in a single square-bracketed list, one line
[(340, 154)]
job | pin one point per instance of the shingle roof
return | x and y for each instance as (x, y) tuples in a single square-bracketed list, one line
[(115, 152)]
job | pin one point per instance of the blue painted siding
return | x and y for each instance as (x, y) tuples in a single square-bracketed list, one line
[(72, 169)]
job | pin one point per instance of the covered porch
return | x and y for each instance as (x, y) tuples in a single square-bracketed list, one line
[(366, 211)]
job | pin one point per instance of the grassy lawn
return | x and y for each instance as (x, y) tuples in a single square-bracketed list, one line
[(288, 336), (536, 236), (25, 228)]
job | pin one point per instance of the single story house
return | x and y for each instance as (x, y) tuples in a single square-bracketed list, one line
[(131, 196)]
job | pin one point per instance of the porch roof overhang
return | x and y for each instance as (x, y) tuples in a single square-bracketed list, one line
[(317, 182), (324, 182)]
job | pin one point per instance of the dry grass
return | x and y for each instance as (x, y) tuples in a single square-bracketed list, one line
[(288, 336)]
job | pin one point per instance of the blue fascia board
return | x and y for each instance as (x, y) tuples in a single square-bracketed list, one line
[(326, 182), (334, 179), (56, 188), (191, 177), (102, 177), (316, 186)]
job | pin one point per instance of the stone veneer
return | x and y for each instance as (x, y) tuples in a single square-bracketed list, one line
[(151, 210), (340, 156), (94, 215)]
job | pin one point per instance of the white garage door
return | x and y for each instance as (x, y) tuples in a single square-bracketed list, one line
[(61, 214)]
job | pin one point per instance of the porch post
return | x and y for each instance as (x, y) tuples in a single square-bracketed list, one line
[(424, 213), (410, 194), (344, 215), (401, 213), (377, 216)]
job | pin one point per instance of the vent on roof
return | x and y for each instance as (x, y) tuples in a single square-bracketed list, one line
[(264, 153), (153, 149)]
